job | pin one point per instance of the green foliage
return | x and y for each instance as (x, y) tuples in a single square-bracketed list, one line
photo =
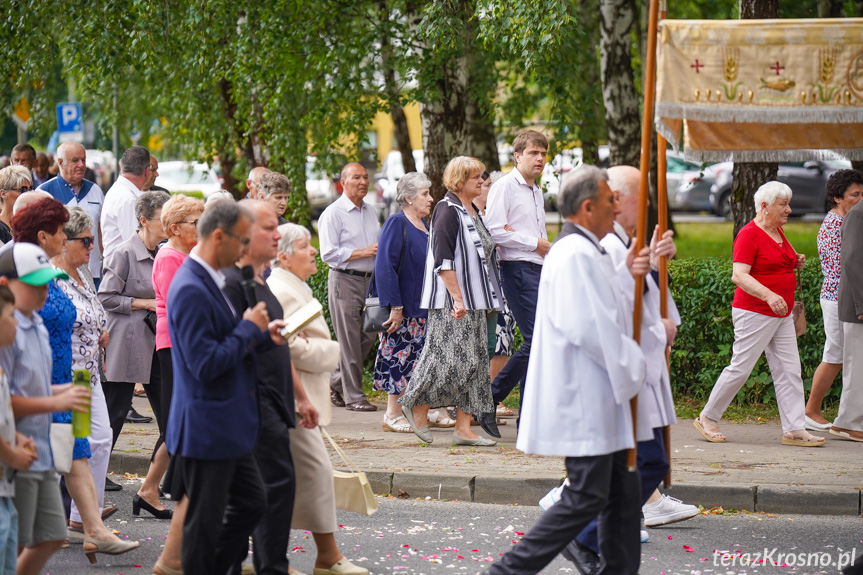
[(703, 291)]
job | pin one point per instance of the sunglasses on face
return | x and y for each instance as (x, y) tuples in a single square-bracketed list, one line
[(86, 242)]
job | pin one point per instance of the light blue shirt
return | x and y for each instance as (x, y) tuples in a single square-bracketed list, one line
[(344, 228), (27, 364)]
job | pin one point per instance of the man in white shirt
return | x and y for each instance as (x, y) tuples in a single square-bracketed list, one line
[(118, 213), (348, 230), (71, 189), (584, 369), (655, 402), (515, 217)]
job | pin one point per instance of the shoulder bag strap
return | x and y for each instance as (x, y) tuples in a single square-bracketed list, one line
[(347, 460), (799, 289)]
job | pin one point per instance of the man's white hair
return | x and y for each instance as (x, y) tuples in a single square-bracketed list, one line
[(61, 149), (770, 192)]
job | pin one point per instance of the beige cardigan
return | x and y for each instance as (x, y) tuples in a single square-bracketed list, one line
[(314, 356)]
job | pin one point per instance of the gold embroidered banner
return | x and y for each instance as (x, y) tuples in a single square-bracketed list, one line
[(762, 90)]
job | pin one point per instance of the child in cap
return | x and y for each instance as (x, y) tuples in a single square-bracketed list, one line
[(26, 270), (12, 458)]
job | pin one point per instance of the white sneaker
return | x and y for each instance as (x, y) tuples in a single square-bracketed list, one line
[(667, 510), (645, 537)]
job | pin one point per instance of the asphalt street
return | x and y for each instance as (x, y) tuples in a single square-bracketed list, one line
[(417, 536)]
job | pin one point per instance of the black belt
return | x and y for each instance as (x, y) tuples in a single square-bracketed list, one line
[(352, 272)]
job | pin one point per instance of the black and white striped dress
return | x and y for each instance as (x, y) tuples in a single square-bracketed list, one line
[(453, 369)]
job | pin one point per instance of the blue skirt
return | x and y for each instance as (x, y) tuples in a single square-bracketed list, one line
[(82, 446), (398, 354)]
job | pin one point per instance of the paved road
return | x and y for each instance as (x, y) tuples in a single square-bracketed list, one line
[(416, 536)]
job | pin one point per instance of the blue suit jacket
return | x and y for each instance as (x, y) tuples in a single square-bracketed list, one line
[(214, 408)]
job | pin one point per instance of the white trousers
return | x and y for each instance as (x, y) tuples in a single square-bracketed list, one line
[(100, 445), (851, 404), (754, 334)]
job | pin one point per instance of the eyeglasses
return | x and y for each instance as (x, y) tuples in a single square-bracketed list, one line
[(86, 242), (244, 241), (22, 189), (193, 222)]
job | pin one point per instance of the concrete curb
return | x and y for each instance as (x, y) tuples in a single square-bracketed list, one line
[(520, 491)]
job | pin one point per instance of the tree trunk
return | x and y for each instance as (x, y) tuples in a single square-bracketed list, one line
[(830, 9), (858, 8), (400, 123), (481, 143), (591, 131), (618, 86), (748, 177)]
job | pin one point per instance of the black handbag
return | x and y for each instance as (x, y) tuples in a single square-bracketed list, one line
[(150, 320), (375, 314)]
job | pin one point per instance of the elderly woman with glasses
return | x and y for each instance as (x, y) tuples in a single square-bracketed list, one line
[(274, 188), (14, 181), (314, 355), (127, 294), (764, 266), (86, 484)]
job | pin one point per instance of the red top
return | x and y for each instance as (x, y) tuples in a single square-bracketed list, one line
[(772, 265)]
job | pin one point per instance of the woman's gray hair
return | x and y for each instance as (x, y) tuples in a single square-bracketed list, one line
[(218, 196), (409, 186), (769, 193), (79, 220), (272, 182), (579, 185), (13, 177), (290, 234), (495, 176), (148, 204)]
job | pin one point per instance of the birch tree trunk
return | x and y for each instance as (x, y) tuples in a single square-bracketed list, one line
[(748, 177), (618, 85)]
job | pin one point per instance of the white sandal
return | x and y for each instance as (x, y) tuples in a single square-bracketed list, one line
[(394, 425), (436, 420)]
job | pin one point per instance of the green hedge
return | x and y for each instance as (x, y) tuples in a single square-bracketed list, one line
[(703, 291)]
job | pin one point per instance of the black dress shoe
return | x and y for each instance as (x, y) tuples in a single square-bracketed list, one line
[(584, 559), (111, 486), (488, 421), (336, 398), (135, 417), (362, 405)]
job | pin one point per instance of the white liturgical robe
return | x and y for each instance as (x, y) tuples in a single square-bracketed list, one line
[(655, 402), (584, 365)]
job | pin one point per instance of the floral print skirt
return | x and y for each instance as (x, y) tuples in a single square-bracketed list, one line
[(398, 354), (453, 369)]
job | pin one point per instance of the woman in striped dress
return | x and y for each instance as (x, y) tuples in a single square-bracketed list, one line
[(460, 288)]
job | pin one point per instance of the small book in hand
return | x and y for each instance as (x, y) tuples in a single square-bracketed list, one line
[(301, 318)]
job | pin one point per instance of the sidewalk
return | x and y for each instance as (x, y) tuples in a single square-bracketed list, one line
[(751, 471)]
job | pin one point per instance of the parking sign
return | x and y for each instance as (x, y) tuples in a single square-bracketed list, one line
[(69, 121)]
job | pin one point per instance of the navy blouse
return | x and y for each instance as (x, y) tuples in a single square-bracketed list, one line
[(405, 288)]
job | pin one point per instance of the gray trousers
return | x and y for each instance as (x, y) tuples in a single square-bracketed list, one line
[(851, 403), (347, 295)]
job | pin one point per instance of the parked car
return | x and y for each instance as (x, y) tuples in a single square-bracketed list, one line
[(388, 178), (191, 178), (320, 187), (807, 180), (688, 183), (559, 166)]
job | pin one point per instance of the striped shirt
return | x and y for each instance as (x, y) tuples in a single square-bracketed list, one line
[(27, 363), (454, 244)]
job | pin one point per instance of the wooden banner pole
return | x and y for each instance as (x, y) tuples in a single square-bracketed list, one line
[(641, 233)]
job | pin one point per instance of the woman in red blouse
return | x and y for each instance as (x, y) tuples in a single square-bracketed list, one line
[(764, 265)]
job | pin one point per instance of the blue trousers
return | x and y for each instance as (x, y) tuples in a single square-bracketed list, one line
[(521, 288), (652, 469)]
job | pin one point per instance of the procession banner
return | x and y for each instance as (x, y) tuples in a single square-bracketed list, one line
[(762, 90)]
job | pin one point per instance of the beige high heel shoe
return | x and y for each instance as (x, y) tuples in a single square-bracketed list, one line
[(108, 548)]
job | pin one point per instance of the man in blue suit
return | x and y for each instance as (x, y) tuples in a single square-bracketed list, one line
[(213, 425)]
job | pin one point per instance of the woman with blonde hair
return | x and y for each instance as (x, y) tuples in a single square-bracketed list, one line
[(461, 287), (14, 181)]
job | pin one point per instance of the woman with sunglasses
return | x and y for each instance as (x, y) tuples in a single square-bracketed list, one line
[(14, 181), (86, 483)]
